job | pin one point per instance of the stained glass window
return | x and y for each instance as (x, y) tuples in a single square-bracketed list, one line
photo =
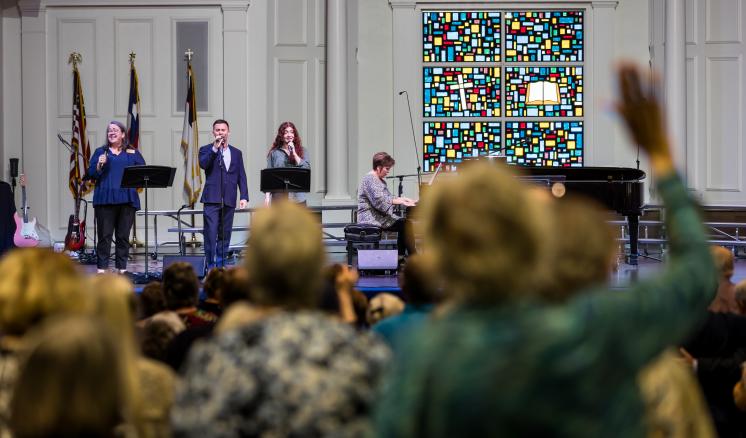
[(544, 143), (503, 82), (461, 36), (458, 141), (462, 92), (569, 79), (547, 36)]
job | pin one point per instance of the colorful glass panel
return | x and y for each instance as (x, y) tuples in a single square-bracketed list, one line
[(453, 142), (550, 144), (461, 36), (546, 36), (569, 79), (461, 92)]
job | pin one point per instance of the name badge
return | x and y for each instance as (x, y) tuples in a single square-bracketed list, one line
[(130, 151)]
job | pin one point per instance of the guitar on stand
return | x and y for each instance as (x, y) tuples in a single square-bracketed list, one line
[(29, 233), (75, 237)]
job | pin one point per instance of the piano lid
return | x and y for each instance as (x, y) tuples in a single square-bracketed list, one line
[(587, 174)]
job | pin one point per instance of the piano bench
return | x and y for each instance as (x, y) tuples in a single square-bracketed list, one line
[(361, 235)]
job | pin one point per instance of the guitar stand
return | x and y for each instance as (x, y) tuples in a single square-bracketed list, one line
[(85, 257)]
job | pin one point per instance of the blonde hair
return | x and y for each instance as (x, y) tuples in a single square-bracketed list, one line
[(114, 304), (36, 283), (486, 233), (70, 383), (723, 261), (285, 257)]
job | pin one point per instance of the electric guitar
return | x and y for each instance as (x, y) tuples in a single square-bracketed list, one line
[(75, 238), (28, 232)]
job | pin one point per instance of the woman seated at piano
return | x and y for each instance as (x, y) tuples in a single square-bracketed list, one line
[(375, 204)]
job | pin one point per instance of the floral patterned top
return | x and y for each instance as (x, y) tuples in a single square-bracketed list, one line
[(374, 202), (290, 374)]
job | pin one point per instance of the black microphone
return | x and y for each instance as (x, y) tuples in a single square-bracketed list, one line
[(402, 92), (14, 167)]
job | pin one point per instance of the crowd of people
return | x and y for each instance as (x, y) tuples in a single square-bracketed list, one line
[(506, 325)]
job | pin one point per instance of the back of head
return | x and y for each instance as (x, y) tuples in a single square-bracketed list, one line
[(36, 283), (418, 281), (723, 261), (383, 306), (486, 234), (236, 286), (285, 257), (213, 283), (180, 286), (582, 252), (70, 384), (151, 300)]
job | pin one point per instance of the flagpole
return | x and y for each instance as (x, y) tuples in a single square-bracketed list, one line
[(134, 242), (189, 144)]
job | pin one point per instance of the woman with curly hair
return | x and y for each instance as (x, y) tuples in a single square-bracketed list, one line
[(287, 151)]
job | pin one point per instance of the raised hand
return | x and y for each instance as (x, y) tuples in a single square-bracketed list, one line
[(643, 113)]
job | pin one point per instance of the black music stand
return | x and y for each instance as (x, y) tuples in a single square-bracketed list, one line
[(135, 177), (285, 179)]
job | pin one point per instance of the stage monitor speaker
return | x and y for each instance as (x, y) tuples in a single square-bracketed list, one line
[(377, 259), (197, 262)]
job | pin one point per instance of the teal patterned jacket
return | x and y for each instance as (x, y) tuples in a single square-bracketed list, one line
[(552, 371)]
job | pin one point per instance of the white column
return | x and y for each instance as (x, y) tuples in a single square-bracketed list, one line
[(600, 81), (235, 71), (336, 102), (675, 78), (34, 112)]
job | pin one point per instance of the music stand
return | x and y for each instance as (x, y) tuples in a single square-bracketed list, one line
[(135, 177), (285, 179)]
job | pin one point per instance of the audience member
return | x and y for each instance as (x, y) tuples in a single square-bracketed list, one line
[(419, 292), (383, 305), (294, 371), (236, 286), (725, 300), (213, 289), (149, 384), (71, 384), (151, 300), (181, 291), (534, 369), (34, 285)]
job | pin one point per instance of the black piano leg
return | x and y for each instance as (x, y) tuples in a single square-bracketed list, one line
[(633, 222)]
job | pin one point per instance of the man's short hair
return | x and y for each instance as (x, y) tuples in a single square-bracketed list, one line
[(220, 121), (382, 159), (180, 286)]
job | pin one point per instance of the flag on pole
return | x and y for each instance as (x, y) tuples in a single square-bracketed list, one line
[(189, 146), (133, 108), (81, 151)]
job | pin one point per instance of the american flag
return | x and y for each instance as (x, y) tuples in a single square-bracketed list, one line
[(189, 146), (81, 151)]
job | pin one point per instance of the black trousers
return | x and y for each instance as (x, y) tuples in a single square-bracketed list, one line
[(111, 219), (405, 236)]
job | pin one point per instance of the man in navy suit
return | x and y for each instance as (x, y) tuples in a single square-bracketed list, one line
[(224, 171)]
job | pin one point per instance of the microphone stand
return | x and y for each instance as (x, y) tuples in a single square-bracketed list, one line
[(221, 232), (414, 142)]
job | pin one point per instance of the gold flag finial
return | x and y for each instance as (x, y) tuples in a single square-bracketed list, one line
[(188, 55), (75, 59)]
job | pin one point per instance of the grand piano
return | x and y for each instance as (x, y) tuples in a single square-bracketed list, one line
[(618, 188)]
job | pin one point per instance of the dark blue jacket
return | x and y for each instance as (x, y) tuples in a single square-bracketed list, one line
[(233, 179), (109, 189)]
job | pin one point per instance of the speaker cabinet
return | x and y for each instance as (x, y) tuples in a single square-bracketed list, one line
[(197, 262)]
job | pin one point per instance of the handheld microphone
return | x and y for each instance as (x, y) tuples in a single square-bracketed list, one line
[(291, 147), (14, 167)]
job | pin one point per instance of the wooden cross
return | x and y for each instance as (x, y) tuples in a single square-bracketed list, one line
[(461, 87), (75, 59), (188, 55)]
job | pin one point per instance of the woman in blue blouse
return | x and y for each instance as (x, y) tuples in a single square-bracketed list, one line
[(287, 151), (115, 206)]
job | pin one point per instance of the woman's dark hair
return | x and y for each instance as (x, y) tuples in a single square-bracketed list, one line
[(279, 141), (382, 159)]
